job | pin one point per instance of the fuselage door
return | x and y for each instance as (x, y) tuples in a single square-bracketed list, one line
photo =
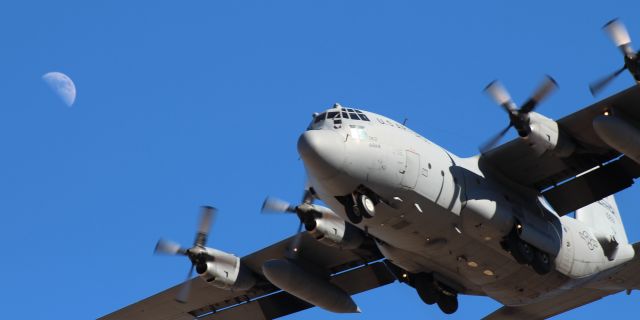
[(411, 169)]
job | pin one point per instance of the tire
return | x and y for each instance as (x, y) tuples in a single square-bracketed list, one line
[(525, 251), (520, 250), (541, 262), (427, 290), (448, 303), (366, 206), (352, 210)]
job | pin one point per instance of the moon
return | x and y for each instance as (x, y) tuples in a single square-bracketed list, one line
[(62, 85)]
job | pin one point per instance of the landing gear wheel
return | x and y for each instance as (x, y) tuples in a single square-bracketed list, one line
[(366, 205), (352, 210), (524, 251), (541, 262), (354, 215), (426, 289), (520, 250), (448, 303)]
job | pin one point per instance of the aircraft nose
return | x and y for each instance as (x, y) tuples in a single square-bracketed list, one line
[(323, 152)]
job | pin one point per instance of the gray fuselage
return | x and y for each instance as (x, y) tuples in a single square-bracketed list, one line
[(447, 215)]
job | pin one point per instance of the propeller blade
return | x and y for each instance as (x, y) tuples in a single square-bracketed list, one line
[(206, 218), (183, 294), (491, 143), (500, 95), (168, 247), (271, 205), (276, 205), (295, 243), (204, 226), (619, 35), (597, 86), (307, 196), (543, 91)]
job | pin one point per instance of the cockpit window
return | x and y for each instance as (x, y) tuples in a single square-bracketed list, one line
[(338, 116), (319, 117)]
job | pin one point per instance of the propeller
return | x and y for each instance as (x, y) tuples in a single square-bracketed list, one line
[(196, 254), (620, 37), (303, 211), (518, 118), (275, 205)]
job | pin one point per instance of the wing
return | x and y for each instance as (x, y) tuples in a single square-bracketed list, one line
[(518, 163), (354, 271), (627, 276), (551, 307), (624, 277)]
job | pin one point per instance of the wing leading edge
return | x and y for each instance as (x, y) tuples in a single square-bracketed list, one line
[(353, 271), (519, 163)]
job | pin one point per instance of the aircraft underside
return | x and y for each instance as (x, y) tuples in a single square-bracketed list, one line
[(403, 208)]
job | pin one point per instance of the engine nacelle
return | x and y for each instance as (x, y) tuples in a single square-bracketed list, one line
[(546, 136), (331, 230), (225, 271)]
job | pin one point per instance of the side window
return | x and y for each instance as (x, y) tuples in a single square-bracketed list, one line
[(319, 117)]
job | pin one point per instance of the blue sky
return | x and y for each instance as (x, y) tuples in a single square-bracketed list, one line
[(185, 103)]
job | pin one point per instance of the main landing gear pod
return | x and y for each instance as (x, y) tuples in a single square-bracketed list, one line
[(526, 254)]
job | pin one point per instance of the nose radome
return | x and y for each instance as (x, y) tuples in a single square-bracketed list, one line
[(323, 152)]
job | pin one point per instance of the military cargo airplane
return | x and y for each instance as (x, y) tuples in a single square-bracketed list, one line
[(398, 207)]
